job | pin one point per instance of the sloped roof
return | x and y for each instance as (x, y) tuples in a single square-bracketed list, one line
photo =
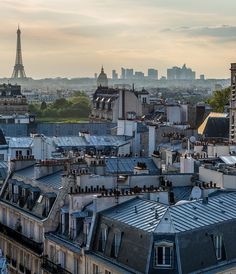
[(191, 215), (138, 213), (126, 165), (217, 127), (202, 127)]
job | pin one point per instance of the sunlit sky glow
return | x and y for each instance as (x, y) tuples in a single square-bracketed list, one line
[(73, 38)]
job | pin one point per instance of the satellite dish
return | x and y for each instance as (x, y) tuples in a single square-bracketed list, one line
[(196, 192), (192, 139)]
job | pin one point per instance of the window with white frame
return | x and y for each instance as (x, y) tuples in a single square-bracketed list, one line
[(163, 254), (107, 272), (218, 243)]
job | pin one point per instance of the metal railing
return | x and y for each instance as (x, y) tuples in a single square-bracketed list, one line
[(51, 267), (21, 239)]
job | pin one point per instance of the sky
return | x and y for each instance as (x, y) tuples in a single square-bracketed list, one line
[(74, 38)]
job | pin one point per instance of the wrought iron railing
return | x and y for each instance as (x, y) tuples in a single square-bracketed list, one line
[(22, 239), (51, 267)]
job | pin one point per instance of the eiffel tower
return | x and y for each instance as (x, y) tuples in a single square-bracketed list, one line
[(18, 71)]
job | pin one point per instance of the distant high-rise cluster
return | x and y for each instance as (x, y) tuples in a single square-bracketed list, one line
[(183, 73), (129, 73)]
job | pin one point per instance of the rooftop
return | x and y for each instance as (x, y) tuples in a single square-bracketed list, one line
[(189, 215), (126, 165)]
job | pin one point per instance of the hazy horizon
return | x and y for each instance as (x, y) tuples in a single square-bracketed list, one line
[(74, 38)]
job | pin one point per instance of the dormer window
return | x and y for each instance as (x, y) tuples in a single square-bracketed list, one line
[(219, 247), (64, 220), (163, 254), (116, 244), (103, 237), (15, 193)]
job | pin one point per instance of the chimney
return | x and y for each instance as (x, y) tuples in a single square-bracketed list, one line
[(205, 197)]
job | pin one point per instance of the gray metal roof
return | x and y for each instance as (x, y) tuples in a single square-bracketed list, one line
[(20, 142), (127, 164), (138, 212), (230, 160), (194, 215), (80, 141), (182, 192), (73, 246), (52, 180)]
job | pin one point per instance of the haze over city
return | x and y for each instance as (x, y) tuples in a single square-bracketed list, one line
[(74, 38)]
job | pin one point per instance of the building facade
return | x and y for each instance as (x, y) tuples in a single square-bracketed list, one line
[(232, 133)]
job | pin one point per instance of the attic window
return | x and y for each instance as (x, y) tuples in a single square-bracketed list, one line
[(219, 246), (116, 244), (163, 254), (103, 237)]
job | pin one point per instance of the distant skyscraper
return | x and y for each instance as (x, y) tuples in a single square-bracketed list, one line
[(129, 73), (114, 74), (18, 71), (152, 73), (139, 75), (183, 73), (202, 77), (232, 132), (122, 76)]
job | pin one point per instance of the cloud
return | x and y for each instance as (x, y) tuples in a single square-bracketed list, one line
[(223, 33)]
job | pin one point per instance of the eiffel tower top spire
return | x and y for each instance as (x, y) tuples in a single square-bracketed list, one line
[(18, 71)]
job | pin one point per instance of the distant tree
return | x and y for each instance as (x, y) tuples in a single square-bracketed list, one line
[(43, 105), (219, 99), (60, 103)]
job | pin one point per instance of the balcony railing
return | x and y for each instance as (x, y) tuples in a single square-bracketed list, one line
[(51, 267), (21, 239)]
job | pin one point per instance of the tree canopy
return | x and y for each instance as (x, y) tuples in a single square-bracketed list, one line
[(74, 107), (219, 99)]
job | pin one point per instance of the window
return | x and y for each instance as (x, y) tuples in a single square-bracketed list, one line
[(107, 272), (95, 269), (218, 243), (103, 237), (163, 253), (76, 266), (116, 244)]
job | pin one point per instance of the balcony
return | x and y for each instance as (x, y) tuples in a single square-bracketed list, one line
[(21, 239), (51, 267)]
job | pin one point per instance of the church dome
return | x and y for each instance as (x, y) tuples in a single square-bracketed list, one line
[(102, 79)]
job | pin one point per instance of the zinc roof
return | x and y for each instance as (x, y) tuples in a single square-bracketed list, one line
[(126, 165), (51, 180), (230, 160), (80, 141), (138, 213), (194, 215), (20, 142)]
